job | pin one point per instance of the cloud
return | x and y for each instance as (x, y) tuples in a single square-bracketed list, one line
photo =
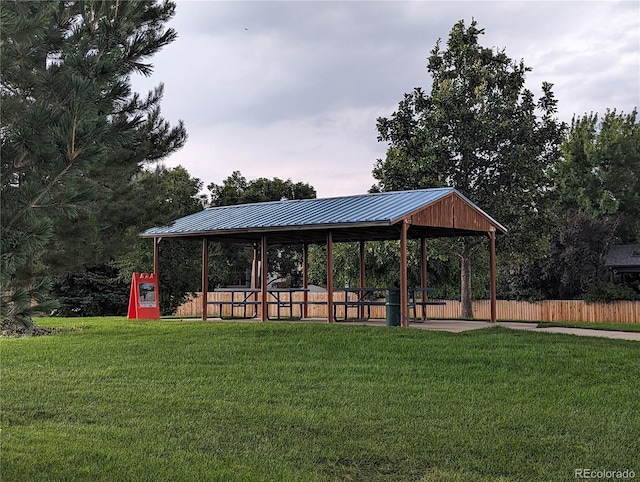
[(293, 89), (315, 150)]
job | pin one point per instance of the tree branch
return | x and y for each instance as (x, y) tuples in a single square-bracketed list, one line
[(72, 156)]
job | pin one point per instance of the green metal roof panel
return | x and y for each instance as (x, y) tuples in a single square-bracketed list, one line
[(366, 209)]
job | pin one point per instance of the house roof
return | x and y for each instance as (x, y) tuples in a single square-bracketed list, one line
[(430, 213), (624, 257)]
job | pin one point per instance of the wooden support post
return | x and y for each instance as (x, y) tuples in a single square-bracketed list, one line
[(330, 277), (255, 266), (305, 279), (205, 277), (156, 266), (403, 274), (423, 275), (492, 273), (156, 257), (362, 277), (255, 275), (264, 306)]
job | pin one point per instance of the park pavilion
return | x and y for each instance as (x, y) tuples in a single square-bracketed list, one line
[(402, 215)]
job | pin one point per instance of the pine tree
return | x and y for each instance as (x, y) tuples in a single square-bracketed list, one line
[(68, 114)]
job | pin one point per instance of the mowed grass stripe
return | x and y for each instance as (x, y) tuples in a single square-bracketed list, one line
[(112, 399)]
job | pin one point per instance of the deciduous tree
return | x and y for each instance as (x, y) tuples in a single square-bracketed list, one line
[(599, 173), (230, 264), (596, 203), (158, 197), (481, 131)]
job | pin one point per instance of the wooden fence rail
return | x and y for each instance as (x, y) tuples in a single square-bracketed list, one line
[(548, 310)]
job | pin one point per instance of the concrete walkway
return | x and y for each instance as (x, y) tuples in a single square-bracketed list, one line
[(459, 326), (619, 335)]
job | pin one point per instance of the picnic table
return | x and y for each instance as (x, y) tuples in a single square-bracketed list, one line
[(246, 299), (360, 298), (286, 302), (363, 298), (423, 301)]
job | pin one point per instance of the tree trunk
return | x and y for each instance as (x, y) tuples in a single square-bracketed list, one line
[(466, 306)]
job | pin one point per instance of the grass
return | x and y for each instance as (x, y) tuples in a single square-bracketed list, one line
[(111, 399)]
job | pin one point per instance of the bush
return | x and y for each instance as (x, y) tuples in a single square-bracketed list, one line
[(97, 291), (608, 292)]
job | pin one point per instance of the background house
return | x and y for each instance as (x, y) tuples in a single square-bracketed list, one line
[(623, 262)]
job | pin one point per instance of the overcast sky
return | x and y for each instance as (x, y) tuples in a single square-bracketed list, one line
[(293, 89)]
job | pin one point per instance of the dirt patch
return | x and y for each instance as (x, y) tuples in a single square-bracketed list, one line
[(17, 331)]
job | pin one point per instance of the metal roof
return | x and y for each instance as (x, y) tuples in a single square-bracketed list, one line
[(366, 210)]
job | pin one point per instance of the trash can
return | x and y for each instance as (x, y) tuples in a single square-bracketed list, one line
[(392, 306)]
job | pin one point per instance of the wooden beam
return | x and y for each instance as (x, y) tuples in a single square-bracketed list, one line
[(362, 276), (255, 268), (156, 257), (492, 273), (305, 279), (423, 274), (156, 266), (404, 312), (264, 306), (330, 277), (205, 277)]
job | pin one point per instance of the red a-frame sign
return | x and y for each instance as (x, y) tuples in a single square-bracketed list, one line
[(144, 301)]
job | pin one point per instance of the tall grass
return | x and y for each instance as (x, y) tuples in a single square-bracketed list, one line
[(111, 399)]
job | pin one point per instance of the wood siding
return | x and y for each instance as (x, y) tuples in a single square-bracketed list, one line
[(451, 212), (549, 310), (439, 214)]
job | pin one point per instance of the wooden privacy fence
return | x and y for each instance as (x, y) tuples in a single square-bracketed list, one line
[(548, 310)]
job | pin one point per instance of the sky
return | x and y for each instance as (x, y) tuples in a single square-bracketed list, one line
[(293, 89)]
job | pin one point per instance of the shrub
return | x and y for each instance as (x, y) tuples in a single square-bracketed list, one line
[(608, 292)]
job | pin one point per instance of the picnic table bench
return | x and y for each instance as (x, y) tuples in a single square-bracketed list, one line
[(247, 301), (286, 303), (365, 297), (361, 298), (244, 302), (422, 302)]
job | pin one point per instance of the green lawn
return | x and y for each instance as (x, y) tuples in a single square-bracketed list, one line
[(111, 399)]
